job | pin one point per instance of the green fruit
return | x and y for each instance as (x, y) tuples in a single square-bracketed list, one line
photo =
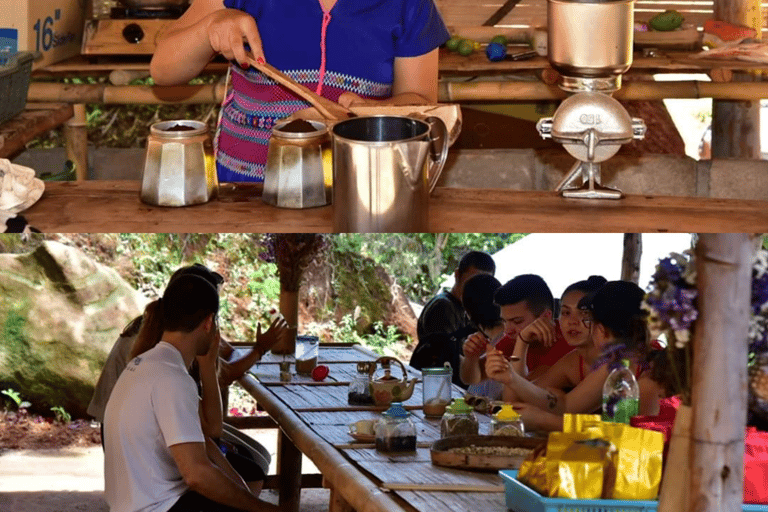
[(466, 47), (502, 40), (453, 43), (666, 21)]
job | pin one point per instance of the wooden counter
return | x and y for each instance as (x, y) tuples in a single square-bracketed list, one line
[(114, 206)]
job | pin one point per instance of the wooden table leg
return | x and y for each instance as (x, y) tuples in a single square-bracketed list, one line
[(338, 503), (76, 135), (289, 472)]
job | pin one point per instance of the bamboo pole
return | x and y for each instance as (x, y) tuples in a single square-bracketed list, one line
[(448, 92), (76, 137), (630, 261), (719, 372), (736, 124)]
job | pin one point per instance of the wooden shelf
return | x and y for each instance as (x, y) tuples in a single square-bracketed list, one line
[(35, 120), (114, 206)]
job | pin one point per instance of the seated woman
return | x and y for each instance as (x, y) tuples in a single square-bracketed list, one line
[(617, 326)]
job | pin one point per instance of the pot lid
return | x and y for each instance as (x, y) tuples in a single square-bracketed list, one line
[(507, 413), (459, 406), (396, 410)]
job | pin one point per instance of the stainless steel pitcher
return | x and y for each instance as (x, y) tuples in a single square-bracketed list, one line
[(298, 171), (384, 168), (179, 168)]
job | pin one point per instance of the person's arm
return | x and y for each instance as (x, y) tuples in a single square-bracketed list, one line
[(472, 368), (211, 409), (537, 420), (415, 83), (584, 398), (207, 479), (205, 28), (233, 370)]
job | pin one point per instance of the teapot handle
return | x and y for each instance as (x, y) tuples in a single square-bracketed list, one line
[(438, 149), (385, 359)]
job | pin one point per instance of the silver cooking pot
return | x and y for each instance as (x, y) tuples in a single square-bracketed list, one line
[(154, 4)]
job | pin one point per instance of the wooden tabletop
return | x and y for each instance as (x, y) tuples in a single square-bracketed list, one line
[(315, 418), (114, 206)]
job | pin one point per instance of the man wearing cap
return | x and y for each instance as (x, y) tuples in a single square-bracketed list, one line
[(156, 455), (229, 370)]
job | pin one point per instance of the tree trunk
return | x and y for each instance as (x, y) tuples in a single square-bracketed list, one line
[(719, 373), (630, 262), (736, 124), (289, 308)]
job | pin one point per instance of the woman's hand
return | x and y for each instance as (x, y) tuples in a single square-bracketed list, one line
[(276, 332), (475, 345), (496, 366), (229, 30), (541, 330)]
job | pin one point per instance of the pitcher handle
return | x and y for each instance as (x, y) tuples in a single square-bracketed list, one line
[(438, 149)]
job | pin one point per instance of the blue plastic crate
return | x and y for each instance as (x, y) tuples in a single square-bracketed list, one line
[(522, 498)]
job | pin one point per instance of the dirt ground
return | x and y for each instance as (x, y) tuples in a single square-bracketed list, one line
[(52, 467)]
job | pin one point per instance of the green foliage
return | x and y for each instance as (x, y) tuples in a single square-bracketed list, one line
[(62, 416), (383, 336), (16, 397), (250, 290), (420, 262)]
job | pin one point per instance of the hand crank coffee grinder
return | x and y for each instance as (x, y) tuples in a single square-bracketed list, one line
[(590, 45)]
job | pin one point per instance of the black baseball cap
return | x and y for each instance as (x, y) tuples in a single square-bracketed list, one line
[(201, 270)]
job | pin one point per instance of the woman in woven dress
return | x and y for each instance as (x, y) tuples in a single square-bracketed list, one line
[(350, 51)]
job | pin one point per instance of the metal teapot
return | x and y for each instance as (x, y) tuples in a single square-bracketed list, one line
[(387, 388)]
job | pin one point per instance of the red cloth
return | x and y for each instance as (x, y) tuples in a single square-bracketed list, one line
[(755, 449), (538, 354)]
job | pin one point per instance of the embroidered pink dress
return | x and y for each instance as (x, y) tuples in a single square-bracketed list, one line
[(350, 48)]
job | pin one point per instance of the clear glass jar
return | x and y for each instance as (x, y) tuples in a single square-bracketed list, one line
[(395, 432), (459, 420), (359, 387), (507, 422), (436, 390)]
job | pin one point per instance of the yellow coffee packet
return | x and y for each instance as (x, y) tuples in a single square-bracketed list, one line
[(638, 461), (533, 470), (585, 469)]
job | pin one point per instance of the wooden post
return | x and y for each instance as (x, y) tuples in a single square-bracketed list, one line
[(630, 262), (719, 373), (736, 124), (289, 471), (76, 137)]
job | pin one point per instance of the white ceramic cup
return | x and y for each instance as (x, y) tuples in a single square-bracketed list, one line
[(363, 427)]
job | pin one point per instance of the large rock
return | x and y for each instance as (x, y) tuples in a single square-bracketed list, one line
[(60, 313)]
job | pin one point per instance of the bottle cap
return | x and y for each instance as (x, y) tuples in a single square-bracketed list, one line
[(458, 406), (396, 410), (507, 413), (625, 362)]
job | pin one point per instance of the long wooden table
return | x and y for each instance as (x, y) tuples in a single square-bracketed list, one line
[(114, 206), (313, 420)]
